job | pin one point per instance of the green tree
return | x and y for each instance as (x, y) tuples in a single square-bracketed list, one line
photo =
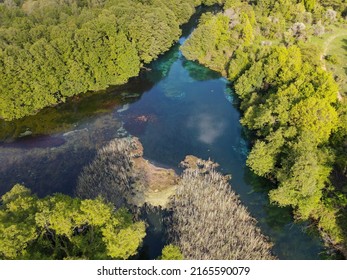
[(53, 50), (247, 30), (171, 252), (58, 227), (264, 155), (310, 5), (314, 117), (302, 179), (17, 226)]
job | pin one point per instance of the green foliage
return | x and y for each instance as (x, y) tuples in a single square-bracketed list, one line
[(332, 59), (302, 179), (291, 106), (171, 252), (337, 5), (310, 5), (210, 43), (263, 157), (288, 100), (58, 227), (218, 38), (247, 30), (314, 117), (239, 63), (121, 236), (17, 215)]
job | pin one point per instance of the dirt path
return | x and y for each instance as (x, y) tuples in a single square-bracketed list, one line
[(325, 51), (327, 44)]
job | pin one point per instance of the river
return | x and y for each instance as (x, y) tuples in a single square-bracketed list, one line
[(176, 108)]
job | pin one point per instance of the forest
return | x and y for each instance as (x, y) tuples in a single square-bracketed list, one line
[(54, 49), (294, 109)]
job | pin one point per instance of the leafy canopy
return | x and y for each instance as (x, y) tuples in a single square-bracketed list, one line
[(61, 227)]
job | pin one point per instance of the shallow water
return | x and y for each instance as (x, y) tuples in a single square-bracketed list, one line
[(177, 108)]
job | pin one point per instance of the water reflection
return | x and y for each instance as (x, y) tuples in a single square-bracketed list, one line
[(209, 127)]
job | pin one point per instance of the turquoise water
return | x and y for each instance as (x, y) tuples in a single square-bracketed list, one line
[(177, 108)]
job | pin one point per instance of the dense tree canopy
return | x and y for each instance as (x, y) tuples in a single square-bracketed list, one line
[(61, 227), (54, 49)]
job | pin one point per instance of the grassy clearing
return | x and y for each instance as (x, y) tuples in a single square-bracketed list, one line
[(334, 44), (338, 49)]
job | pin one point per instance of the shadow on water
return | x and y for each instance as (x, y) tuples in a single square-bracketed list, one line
[(46, 152), (197, 73), (49, 173), (156, 236), (79, 109), (277, 222)]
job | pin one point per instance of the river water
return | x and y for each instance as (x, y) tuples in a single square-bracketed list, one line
[(176, 108)]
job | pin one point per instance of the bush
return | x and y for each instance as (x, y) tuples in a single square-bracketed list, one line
[(332, 58), (171, 252)]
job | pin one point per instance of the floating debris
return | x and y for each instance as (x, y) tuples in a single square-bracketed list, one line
[(126, 95), (26, 133), (123, 109)]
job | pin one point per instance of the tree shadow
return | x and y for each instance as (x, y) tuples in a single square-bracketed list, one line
[(344, 41), (75, 110), (51, 164), (48, 174), (342, 222)]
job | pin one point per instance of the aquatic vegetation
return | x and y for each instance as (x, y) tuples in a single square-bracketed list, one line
[(208, 219), (109, 175), (61, 118), (229, 94), (120, 175), (160, 70), (171, 91), (199, 73)]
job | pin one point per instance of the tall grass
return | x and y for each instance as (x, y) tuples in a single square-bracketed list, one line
[(110, 175), (209, 221)]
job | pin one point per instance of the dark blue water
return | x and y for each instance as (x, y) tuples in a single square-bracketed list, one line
[(177, 108)]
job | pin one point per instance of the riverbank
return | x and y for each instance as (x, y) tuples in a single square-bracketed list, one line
[(275, 85)]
